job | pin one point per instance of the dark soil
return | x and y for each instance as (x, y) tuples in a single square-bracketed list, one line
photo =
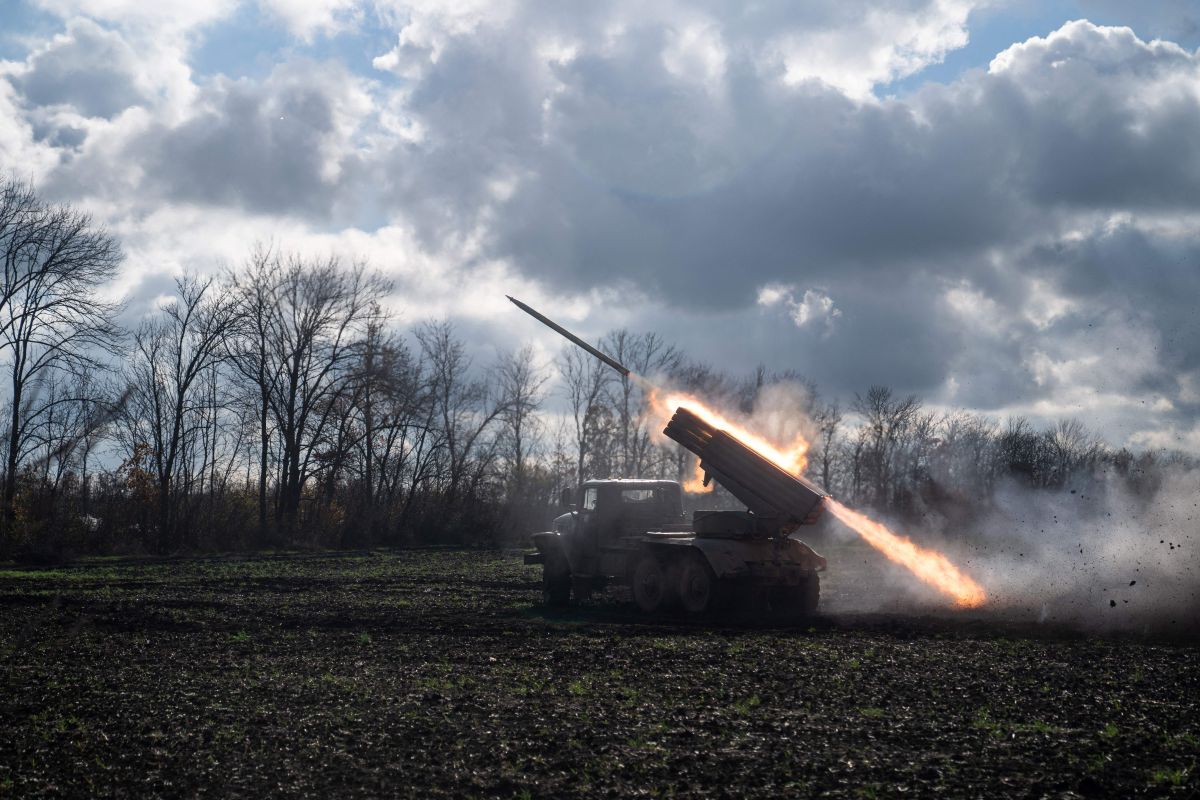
[(438, 673)]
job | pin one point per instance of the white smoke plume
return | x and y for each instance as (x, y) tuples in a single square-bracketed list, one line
[(1099, 555)]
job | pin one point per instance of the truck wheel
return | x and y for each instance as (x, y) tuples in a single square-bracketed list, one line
[(809, 595), (799, 601), (697, 584), (581, 589), (649, 584), (556, 582)]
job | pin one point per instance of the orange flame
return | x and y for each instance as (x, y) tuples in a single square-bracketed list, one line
[(695, 484), (793, 457), (929, 565)]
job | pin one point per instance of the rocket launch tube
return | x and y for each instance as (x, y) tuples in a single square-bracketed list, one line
[(549, 323)]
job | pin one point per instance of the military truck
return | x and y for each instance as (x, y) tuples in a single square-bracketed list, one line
[(635, 533)]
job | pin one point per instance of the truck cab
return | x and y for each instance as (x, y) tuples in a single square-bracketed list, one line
[(628, 503), (608, 516)]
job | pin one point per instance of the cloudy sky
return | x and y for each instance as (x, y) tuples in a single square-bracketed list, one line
[(995, 205)]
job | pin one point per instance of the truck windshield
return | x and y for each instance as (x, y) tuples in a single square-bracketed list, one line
[(589, 499)]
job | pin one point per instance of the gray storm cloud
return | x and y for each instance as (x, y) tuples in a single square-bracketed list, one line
[(276, 146), (88, 68), (1071, 145)]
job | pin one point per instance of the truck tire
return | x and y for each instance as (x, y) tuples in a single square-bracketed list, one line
[(649, 584), (697, 585), (799, 601), (581, 590), (810, 595), (556, 581)]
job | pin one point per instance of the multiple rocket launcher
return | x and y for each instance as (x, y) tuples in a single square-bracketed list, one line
[(779, 500)]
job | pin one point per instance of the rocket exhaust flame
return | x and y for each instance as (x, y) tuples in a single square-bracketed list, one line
[(929, 565), (792, 457), (695, 484), (926, 564)]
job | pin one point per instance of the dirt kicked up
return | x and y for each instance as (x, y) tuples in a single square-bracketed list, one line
[(437, 673)]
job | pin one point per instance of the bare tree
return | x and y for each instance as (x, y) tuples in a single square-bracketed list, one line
[(520, 382), (390, 415), (647, 354), (885, 420), (171, 355), (603, 433), (965, 455), (527, 484), (828, 420), (55, 262), (249, 349), (585, 380), (464, 407), (1018, 448), (312, 314), (1072, 447), (910, 475)]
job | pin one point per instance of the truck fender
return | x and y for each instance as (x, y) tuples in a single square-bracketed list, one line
[(726, 560), (807, 556)]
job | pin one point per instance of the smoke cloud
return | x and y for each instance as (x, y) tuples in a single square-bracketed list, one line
[(1100, 557)]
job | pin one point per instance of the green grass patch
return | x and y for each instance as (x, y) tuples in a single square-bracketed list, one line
[(35, 574), (983, 722), (1170, 776), (748, 704)]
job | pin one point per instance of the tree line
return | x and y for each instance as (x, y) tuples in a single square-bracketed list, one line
[(279, 405)]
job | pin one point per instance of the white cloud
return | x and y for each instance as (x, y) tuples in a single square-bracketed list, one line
[(90, 69), (1175, 20), (307, 18), (977, 310), (19, 147), (1189, 387), (881, 44), (815, 308), (773, 294), (165, 17), (288, 143), (426, 27), (854, 46), (1172, 437), (1044, 306), (696, 53)]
